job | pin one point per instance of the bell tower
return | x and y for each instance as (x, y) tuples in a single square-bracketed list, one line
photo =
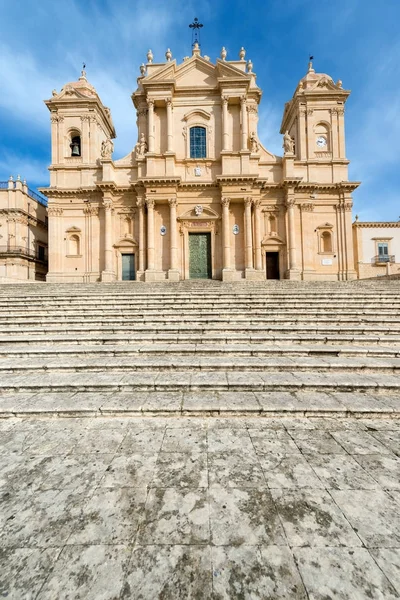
[(81, 131), (314, 120)]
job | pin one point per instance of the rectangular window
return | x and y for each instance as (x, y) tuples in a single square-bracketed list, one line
[(41, 252), (198, 148), (383, 252)]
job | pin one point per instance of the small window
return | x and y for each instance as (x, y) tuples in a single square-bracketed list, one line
[(198, 147), (326, 242)]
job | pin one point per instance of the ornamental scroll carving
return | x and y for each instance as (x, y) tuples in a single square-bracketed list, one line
[(248, 201), (150, 203), (290, 202), (225, 202), (307, 207), (172, 201)]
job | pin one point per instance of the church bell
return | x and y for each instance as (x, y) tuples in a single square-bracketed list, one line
[(75, 150)]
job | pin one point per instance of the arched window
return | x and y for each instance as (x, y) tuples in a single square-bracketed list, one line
[(326, 241), (322, 137), (74, 245), (198, 142)]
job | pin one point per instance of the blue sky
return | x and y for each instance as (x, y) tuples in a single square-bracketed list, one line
[(43, 45)]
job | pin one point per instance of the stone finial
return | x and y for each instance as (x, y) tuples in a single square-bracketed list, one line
[(310, 67), (24, 182), (168, 55), (356, 217), (223, 53), (143, 69), (339, 83), (18, 177), (249, 66), (54, 92), (83, 75), (150, 57), (242, 53), (196, 49), (11, 178), (207, 58)]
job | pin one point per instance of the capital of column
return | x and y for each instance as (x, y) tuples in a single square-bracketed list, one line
[(256, 203), (248, 201), (224, 100), (172, 201), (243, 101), (150, 103), (140, 202), (168, 102), (290, 202), (150, 202), (107, 203), (225, 202)]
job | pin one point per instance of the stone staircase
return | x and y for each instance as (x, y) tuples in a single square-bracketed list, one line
[(189, 348)]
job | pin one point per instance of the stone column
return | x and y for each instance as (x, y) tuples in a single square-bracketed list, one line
[(245, 134), (248, 233), (108, 274), (342, 147), (150, 124), (225, 134), (173, 272), (55, 242), (257, 234), (226, 234), (54, 138), (170, 133), (293, 268), (150, 234), (140, 205)]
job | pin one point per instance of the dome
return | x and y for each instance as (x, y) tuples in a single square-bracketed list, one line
[(82, 86), (312, 79)]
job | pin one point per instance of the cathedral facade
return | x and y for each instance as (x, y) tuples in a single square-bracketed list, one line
[(199, 196)]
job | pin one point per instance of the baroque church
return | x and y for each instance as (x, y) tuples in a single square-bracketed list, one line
[(199, 196)]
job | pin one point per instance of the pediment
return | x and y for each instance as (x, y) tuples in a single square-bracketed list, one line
[(68, 91), (126, 242), (324, 83), (272, 240), (230, 71), (196, 72), (200, 213), (73, 229), (166, 72), (197, 112)]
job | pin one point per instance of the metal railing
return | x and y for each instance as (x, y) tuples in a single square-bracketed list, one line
[(31, 193), (383, 258), (22, 251)]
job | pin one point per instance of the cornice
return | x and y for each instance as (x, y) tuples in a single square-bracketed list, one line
[(365, 224)]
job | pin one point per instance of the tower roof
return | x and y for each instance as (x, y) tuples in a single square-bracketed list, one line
[(82, 86)]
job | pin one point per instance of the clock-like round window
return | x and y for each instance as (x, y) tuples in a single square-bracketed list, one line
[(321, 141)]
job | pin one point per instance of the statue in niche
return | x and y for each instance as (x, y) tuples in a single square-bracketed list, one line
[(107, 148), (288, 143), (254, 143), (141, 147)]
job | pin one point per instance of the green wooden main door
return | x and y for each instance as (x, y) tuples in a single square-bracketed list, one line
[(200, 256)]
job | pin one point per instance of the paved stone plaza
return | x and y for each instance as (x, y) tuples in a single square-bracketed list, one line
[(107, 508)]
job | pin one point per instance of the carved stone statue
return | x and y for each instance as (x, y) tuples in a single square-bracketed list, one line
[(254, 143), (141, 147), (288, 143), (107, 148)]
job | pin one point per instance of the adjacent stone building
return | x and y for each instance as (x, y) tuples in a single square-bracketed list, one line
[(23, 233), (376, 248), (200, 196)]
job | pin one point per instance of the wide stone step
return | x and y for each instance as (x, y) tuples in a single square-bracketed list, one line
[(300, 403), (191, 363), (237, 381), (197, 320), (63, 352), (290, 338)]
